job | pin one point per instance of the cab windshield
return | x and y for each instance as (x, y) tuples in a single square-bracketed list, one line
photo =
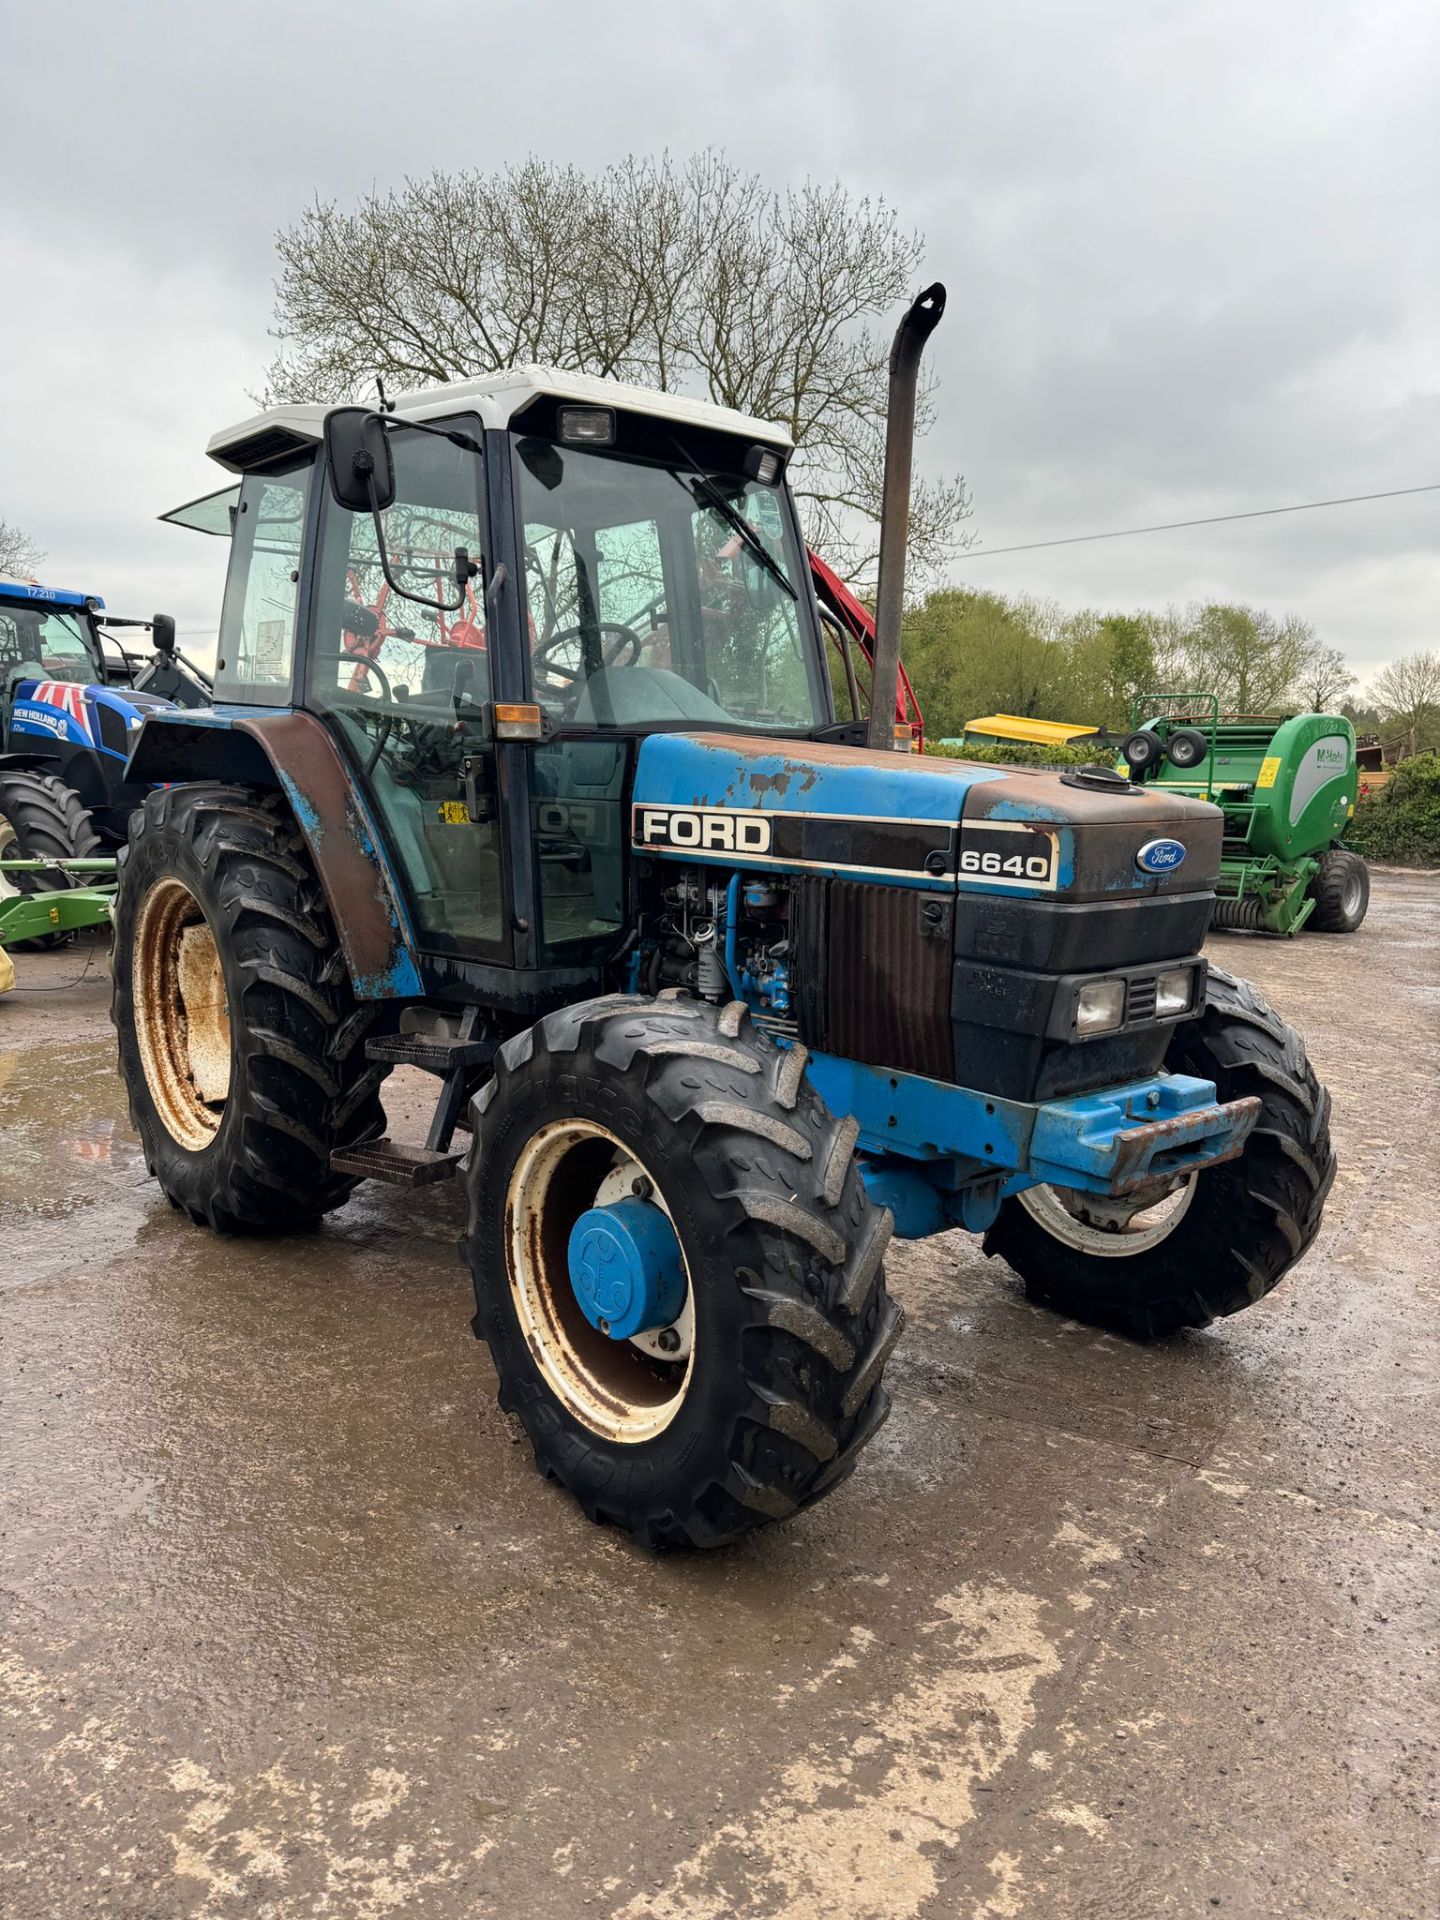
[(58, 643), (649, 606)]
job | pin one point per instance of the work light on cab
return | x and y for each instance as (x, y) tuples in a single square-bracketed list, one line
[(763, 464), (587, 426)]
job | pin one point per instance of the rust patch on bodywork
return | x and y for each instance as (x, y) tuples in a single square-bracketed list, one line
[(1149, 1153), (331, 815)]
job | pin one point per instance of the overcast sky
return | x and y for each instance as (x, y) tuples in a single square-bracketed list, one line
[(1192, 250)]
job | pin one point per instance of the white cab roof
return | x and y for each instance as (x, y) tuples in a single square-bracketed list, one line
[(497, 398)]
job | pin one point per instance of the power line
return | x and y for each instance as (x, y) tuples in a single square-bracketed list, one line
[(1213, 520)]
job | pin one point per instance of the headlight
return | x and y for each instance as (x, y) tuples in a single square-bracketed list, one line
[(1173, 990), (1100, 1007)]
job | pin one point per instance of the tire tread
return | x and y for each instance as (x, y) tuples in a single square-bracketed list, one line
[(804, 1250)]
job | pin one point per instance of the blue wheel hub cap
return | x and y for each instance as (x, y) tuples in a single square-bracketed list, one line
[(626, 1269)]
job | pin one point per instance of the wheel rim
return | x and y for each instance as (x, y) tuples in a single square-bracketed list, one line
[(623, 1390), (1061, 1212), (182, 1021), (1350, 898), (9, 882), (13, 885)]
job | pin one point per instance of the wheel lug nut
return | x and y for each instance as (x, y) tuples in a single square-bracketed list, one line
[(668, 1340), (642, 1186)]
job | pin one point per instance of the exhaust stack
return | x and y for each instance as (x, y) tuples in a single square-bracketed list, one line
[(910, 337)]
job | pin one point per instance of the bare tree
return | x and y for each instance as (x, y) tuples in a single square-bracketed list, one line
[(1249, 658), (690, 276), (18, 552), (1325, 679), (1407, 695)]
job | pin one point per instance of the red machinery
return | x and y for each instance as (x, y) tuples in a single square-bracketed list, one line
[(858, 624)]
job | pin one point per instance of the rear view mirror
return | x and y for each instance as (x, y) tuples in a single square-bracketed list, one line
[(357, 457), (162, 633)]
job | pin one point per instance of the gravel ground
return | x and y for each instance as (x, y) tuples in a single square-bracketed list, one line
[(292, 1627)]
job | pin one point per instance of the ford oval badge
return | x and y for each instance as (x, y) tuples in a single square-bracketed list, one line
[(1160, 856)]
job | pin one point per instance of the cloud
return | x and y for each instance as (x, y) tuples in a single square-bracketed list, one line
[(1190, 251)]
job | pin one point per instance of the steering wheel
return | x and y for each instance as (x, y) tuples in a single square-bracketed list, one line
[(628, 645), (367, 667)]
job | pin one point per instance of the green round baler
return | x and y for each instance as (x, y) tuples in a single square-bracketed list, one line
[(1287, 787)]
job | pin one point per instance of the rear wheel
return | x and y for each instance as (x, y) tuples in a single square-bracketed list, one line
[(730, 1376), (1225, 1236), (241, 1044), (1341, 892), (42, 819)]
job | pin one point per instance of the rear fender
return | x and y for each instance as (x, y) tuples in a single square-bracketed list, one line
[(39, 762), (79, 767), (293, 752)]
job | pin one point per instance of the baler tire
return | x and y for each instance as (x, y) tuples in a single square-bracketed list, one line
[(783, 1255), (1341, 892), (1248, 1220), (47, 820), (299, 1083)]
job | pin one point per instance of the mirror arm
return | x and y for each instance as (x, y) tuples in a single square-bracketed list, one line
[(393, 422), (417, 599)]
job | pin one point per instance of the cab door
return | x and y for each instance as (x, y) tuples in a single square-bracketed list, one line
[(255, 661), (403, 682)]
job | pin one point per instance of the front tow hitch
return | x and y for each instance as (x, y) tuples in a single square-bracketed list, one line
[(1129, 1138)]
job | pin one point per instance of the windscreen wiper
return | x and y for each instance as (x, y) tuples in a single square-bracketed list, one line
[(752, 542)]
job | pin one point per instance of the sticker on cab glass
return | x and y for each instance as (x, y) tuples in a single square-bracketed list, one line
[(452, 813)]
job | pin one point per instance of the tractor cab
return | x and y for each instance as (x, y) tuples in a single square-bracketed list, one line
[(48, 634), (547, 565)]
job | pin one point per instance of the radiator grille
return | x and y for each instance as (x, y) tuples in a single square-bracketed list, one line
[(888, 963), (1140, 999)]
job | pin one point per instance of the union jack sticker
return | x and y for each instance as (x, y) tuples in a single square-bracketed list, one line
[(67, 697)]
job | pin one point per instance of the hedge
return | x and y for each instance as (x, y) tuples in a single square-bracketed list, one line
[(1023, 753), (1401, 822)]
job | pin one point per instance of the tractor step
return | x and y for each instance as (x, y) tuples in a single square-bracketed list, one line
[(396, 1163), (430, 1056)]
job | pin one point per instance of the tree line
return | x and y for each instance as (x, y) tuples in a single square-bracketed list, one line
[(971, 653)]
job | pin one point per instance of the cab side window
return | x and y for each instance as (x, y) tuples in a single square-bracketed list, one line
[(403, 682), (256, 657)]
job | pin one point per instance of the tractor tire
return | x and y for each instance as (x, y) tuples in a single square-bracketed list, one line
[(777, 1385), (1341, 892), (41, 819), (1233, 1231), (241, 1044)]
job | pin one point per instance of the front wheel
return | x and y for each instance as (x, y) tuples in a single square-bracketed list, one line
[(1341, 891), (1221, 1240), (42, 819), (676, 1268)]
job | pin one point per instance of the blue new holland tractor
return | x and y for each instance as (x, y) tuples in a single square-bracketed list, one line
[(70, 708), (525, 770)]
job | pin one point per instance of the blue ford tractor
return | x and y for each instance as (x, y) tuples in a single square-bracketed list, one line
[(525, 770)]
